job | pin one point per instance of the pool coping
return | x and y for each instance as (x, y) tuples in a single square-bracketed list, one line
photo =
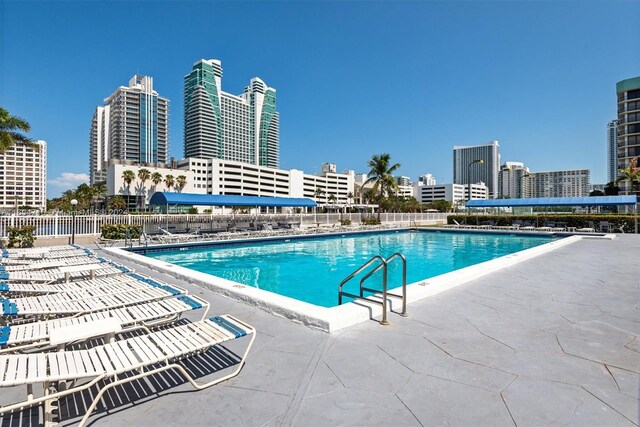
[(336, 318)]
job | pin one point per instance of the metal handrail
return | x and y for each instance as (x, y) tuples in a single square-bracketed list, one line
[(404, 282), (355, 273), (383, 265)]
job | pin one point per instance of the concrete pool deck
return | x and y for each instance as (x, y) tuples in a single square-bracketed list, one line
[(549, 341)]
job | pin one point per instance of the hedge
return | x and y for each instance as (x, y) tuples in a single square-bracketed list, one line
[(119, 231), (572, 220)]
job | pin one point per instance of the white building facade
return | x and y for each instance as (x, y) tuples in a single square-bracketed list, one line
[(455, 193), (465, 171), (563, 183), (132, 126), (23, 177), (511, 180), (612, 151), (228, 177)]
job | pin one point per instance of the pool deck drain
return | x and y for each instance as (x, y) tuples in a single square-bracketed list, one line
[(550, 341)]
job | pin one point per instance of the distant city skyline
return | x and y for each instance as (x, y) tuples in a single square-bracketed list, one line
[(412, 79)]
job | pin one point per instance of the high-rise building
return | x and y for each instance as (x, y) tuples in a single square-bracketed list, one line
[(404, 181), (612, 151), (628, 92), (23, 177), (220, 125), (426, 179), (564, 183), (511, 180), (132, 127), (465, 171)]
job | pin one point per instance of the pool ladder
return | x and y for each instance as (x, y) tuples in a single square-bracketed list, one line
[(382, 264)]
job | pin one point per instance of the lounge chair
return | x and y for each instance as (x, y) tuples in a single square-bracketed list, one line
[(108, 283), (67, 304), (8, 255), (44, 264), (27, 336), (590, 229), (65, 273), (143, 356)]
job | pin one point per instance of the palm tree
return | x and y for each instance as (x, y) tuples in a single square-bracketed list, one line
[(631, 173), (181, 181), (381, 175), (156, 178), (332, 198), (318, 193), (143, 176), (9, 135), (98, 192), (169, 181), (128, 176)]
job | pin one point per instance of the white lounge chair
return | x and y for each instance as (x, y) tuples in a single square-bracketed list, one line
[(28, 289), (65, 273), (143, 356), (43, 253), (65, 304), (16, 338), (44, 264)]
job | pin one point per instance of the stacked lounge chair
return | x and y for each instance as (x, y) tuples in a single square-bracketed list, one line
[(46, 308)]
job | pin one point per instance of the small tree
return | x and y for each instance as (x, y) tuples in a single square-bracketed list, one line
[(143, 176), (632, 174), (181, 181), (117, 203), (169, 181), (156, 178)]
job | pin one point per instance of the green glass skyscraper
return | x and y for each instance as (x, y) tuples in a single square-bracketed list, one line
[(220, 125)]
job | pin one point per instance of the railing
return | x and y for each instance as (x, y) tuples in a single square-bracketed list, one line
[(63, 225), (383, 264)]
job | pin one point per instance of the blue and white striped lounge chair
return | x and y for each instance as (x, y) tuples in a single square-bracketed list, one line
[(142, 356), (65, 304), (44, 264), (52, 252), (20, 337), (17, 290), (66, 273)]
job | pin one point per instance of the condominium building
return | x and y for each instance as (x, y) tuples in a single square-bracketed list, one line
[(467, 167), (426, 179), (628, 92), (563, 183), (404, 181), (455, 193), (23, 177), (217, 124), (512, 180), (131, 127), (612, 151)]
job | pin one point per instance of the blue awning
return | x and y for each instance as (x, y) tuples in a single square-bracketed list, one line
[(189, 199), (555, 201)]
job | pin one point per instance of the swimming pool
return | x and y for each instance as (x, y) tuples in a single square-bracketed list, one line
[(310, 270)]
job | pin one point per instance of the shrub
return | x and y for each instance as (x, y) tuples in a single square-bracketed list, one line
[(370, 221), (345, 221), (119, 231), (192, 210), (21, 237), (572, 220)]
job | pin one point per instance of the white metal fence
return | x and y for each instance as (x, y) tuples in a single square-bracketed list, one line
[(63, 225)]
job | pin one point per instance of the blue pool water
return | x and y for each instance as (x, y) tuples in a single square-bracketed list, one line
[(311, 269)]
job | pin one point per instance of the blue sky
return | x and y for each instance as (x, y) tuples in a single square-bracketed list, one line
[(411, 78)]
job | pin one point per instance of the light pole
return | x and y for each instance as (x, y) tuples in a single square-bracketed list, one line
[(74, 203), (469, 176)]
